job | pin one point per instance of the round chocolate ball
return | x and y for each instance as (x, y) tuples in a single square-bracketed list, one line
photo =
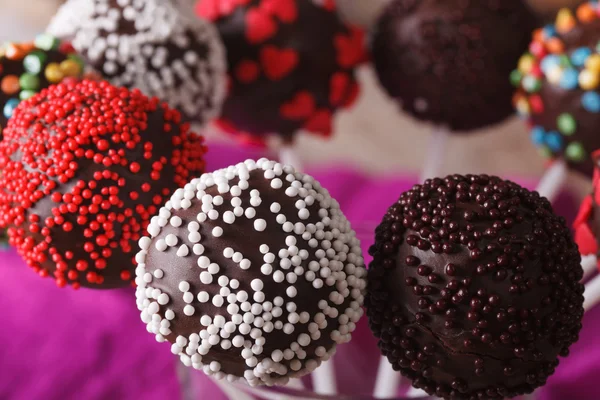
[(448, 61), (557, 84), (27, 68), (291, 65), (252, 273), (84, 167), (587, 223), (474, 288), (157, 46)]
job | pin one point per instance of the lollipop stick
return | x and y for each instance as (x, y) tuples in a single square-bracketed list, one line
[(414, 393), (553, 180), (232, 391), (323, 379), (289, 156), (589, 265), (591, 294), (435, 154), (387, 381)]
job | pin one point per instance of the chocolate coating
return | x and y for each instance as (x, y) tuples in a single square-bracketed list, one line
[(557, 82), (291, 65), (280, 267), (448, 61), (84, 166), (157, 46), (474, 288)]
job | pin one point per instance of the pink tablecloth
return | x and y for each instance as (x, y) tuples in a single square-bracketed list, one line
[(62, 344)]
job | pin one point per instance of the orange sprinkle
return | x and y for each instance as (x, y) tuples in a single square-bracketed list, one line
[(27, 47), (555, 45), (585, 13), (10, 84), (538, 35), (14, 52), (566, 24)]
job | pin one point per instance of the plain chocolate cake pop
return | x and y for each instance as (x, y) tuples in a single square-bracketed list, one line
[(157, 46), (448, 61), (291, 65), (474, 288), (558, 81), (84, 167), (252, 273)]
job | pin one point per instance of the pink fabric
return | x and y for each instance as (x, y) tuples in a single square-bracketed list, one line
[(62, 344)]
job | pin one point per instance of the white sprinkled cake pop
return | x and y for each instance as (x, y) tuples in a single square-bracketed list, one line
[(157, 46), (251, 272)]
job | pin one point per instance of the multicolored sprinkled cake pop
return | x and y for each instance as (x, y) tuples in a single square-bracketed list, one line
[(157, 46), (84, 167), (558, 81), (252, 273), (474, 288), (291, 64), (587, 223), (447, 61), (26, 68)]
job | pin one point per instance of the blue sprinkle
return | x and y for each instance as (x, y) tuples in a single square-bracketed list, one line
[(548, 62), (570, 79), (554, 141), (537, 136), (549, 31), (591, 102), (580, 55), (10, 106)]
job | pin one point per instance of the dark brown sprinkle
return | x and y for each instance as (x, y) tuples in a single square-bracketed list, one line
[(509, 281)]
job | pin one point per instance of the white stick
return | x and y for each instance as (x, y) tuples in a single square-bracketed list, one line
[(387, 382), (589, 265), (591, 294), (553, 180), (296, 383), (232, 391), (323, 379), (434, 159), (289, 156), (414, 393)]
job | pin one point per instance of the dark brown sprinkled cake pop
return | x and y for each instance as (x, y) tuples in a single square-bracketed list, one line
[(448, 61), (474, 288)]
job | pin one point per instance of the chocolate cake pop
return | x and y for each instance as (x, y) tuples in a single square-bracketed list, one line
[(252, 273), (291, 65), (26, 68), (447, 61), (84, 166), (558, 81), (587, 223), (474, 288), (157, 46)]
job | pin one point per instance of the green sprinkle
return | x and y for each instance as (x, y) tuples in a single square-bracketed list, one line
[(545, 152), (25, 94), (77, 59), (566, 124), (34, 62), (29, 82), (532, 84), (515, 77), (46, 42), (565, 61), (575, 152)]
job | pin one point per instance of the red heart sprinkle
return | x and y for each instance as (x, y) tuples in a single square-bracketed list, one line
[(247, 71), (350, 49), (338, 86), (259, 26), (208, 9), (320, 122), (300, 107), (277, 63), (285, 10)]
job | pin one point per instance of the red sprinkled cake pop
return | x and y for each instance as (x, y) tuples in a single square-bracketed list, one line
[(84, 167)]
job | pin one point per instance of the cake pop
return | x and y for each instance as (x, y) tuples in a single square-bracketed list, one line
[(292, 65), (557, 81), (252, 273), (84, 166), (26, 68), (447, 61), (474, 287), (157, 46)]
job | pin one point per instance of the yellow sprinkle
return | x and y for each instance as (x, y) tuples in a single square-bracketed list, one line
[(53, 73), (565, 21), (70, 68), (589, 80), (522, 106), (525, 64), (554, 75), (593, 63)]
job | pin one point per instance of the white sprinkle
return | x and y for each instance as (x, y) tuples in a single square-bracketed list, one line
[(158, 274), (160, 245), (257, 285), (194, 237), (203, 297), (217, 231), (245, 264), (275, 208), (163, 299), (206, 278), (188, 297), (276, 183), (250, 213), (171, 240), (184, 286), (228, 252), (260, 225), (198, 249), (176, 221), (229, 217), (189, 310), (183, 251), (193, 226)]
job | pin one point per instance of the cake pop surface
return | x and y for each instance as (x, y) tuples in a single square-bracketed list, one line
[(27, 68), (587, 222), (557, 84), (474, 288), (252, 273), (157, 46), (447, 61), (292, 65), (84, 167)]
